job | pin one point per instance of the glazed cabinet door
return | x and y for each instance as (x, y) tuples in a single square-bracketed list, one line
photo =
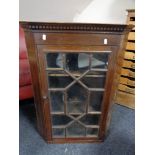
[(73, 87)]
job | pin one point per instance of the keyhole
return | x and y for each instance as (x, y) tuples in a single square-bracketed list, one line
[(44, 36), (105, 41)]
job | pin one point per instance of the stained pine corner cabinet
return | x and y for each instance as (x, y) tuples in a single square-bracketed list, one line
[(75, 69)]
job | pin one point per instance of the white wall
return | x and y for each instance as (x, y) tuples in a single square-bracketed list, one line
[(99, 11)]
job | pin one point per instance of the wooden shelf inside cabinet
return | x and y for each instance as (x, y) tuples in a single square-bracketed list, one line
[(125, 94), (73, 68)]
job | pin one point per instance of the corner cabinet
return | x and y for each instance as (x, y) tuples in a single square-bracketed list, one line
[(74, 68)]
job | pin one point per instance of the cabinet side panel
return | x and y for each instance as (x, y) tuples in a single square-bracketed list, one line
[(106, 108), (117, 72), (116, 62), (39, 105)]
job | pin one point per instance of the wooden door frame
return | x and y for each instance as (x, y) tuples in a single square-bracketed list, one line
[(41, 49)]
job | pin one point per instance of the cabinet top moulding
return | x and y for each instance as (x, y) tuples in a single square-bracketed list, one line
[(76, 27)]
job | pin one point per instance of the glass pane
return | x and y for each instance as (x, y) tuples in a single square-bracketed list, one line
[(90, 119), (59, 80), (77, 62), (75, 95), (94, 79), (75, 116), (95, 101), (61, 119), (58, 132), (57, 101), (100, 60), (54, 60), (92, 132), (75, 130), (76, 99)]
